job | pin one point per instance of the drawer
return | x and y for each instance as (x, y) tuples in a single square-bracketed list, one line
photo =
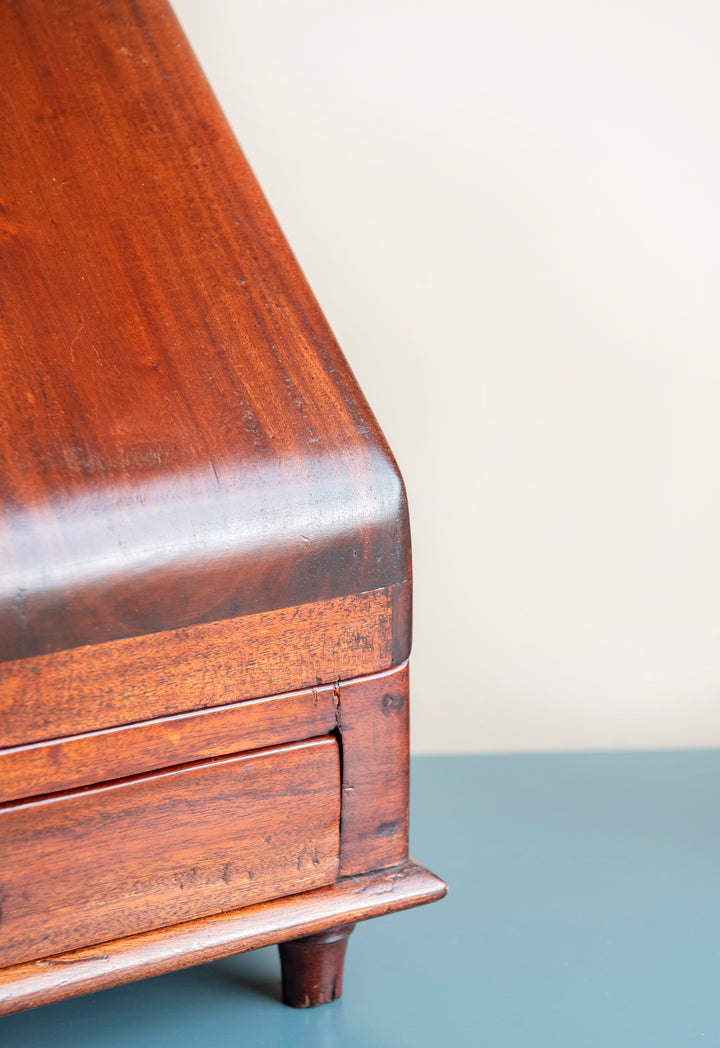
[(59, 765), (101, 863)]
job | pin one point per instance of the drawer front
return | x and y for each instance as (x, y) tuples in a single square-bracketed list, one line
[(65, 764), (98, 864)]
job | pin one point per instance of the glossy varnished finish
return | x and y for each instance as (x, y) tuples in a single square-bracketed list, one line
[(205, 595), (369, 716), (347, 901), (90, 688), (92, 865), (93, 757), (181, 440)]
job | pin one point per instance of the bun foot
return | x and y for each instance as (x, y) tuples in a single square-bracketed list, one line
[(312, 967)]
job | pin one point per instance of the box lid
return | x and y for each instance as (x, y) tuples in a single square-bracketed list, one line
[(181, 440)]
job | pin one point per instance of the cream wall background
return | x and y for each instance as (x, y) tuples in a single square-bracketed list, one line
[(510, 213)]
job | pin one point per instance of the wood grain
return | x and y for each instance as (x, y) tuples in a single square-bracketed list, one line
[(198, 514), (153, 953), (371, 715), (373, 718), (86, 689), (181, 440), (83, 760), (92, 865)]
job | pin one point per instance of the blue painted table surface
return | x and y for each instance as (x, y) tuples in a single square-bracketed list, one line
[(584, 910)]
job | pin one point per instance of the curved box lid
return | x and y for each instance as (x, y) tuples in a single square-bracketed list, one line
[(181, 440)]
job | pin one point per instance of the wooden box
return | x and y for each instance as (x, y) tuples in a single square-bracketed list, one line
[(205, 587)]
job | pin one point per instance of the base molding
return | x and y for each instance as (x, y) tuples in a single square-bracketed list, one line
[(348, 901)]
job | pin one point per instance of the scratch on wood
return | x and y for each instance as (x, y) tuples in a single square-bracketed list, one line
[(74, 341)]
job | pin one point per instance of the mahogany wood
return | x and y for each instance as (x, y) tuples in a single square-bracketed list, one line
[(182, 440), (373, 718), (95, 864), (95, 687), (198, 515), (312, 967), (347, 901), (81, 760)]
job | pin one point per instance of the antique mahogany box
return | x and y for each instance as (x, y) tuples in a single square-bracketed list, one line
[(205, 557)]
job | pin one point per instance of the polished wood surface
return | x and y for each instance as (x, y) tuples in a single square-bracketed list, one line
[(370, 716), (373, 719), (205, 581), (152, 953), (94, 757), (181, 440), (95, 864), (100, 686)]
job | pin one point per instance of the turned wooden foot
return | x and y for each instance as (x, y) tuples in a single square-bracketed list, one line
[(312, 968)]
